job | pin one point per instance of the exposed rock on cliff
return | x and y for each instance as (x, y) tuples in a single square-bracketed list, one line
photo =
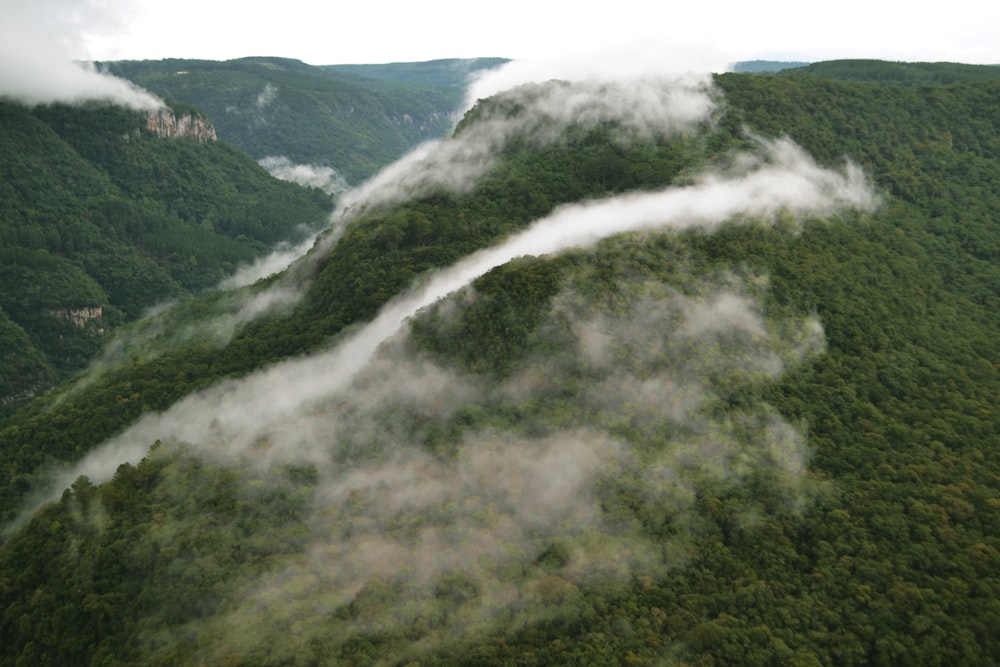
[(167, 124), (79, 316)]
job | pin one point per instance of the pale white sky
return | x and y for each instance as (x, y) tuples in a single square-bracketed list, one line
[(39, 39), (374, 31)]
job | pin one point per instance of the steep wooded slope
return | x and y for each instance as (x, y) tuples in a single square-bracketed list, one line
[(101, 219), (901, 73), (355, 120), (775, 442)]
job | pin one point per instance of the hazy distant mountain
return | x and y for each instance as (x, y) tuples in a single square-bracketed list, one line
[(750, 66), (450, 73), (619, 373), (354, 119)]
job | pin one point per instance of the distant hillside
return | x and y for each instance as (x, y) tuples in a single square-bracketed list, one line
[(751, 66), (354, 119), (450, 72), (902, 73), (106, 212)]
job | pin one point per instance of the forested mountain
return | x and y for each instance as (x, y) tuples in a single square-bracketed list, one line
[(757, 66), (354, 119), (448, 73), (588, 384), (105, 213), (902, 73)]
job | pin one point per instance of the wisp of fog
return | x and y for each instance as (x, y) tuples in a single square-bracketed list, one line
[(35, 66), (782, 178), (651, 102)]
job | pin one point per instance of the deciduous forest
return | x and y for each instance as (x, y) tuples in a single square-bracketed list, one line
[(769, 440), (101, 219)]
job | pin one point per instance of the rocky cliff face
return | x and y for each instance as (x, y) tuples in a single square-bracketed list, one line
[(165, 123), (79, 316)]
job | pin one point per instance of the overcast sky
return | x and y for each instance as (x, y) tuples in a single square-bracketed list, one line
[(375, 31)]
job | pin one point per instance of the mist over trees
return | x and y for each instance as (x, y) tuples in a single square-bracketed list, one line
[(354, 119), (772, 439)]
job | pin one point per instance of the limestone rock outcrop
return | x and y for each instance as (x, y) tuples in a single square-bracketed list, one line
[(79, 316), (168, 125)]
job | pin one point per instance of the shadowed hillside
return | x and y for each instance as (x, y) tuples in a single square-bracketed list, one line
[(107, 212)]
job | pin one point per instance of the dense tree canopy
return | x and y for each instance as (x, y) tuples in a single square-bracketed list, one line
[(353, 119), (98, 213), (843, 510)]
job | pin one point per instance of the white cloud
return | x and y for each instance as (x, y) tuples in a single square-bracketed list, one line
[(314, 176), (266, 96), (646, 106), (360, 32), (276, 261), (635, 62), (36, 40)]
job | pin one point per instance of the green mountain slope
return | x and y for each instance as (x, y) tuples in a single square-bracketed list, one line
[(902, 73), (759, 66), (768, 439), (449, 72), (353, 119), (101, 219)]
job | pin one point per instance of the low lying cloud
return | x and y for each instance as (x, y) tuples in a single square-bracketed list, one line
[(638, 62), (653, 106), (276, 261), (518, 517), (325, 178), (661, 106), (35, 62), (780, 178), (266, 96)]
